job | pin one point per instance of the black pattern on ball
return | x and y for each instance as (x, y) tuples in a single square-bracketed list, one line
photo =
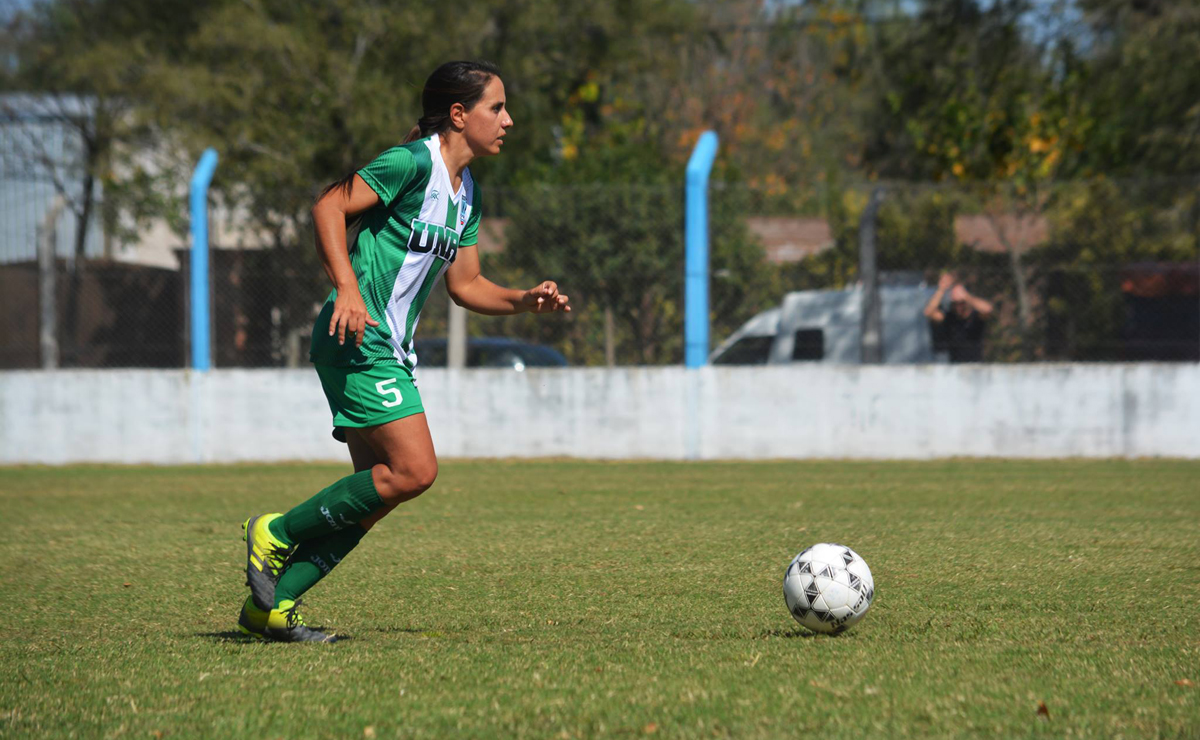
[(830, 588)]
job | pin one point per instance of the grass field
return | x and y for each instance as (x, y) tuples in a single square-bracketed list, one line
[(576, 599)]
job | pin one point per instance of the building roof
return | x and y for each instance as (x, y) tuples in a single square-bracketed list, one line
[(791, 239)]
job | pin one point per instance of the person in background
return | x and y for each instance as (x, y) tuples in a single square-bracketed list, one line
[(958, 330)]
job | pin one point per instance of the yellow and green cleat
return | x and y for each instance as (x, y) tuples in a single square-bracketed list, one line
[(266, 557), (286, 625), (252, 622)]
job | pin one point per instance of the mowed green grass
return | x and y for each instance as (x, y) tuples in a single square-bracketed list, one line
[(585, 599)]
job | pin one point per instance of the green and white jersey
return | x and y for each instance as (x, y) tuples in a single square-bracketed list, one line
[(404, 245)]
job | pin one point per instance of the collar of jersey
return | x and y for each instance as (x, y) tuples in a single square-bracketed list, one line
[(462, 186)]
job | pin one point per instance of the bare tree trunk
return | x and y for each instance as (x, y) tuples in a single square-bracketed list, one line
[(47, 292), (872, 310), (1023, 312), (647, 325), (85, 216), (610, 337), (70, 321), (1015, 245)]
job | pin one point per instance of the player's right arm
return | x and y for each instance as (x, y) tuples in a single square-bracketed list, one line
[(330, 215)]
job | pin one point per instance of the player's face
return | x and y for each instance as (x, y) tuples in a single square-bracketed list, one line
[(488, 121)]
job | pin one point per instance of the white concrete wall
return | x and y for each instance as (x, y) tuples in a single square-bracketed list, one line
[(803, 411)]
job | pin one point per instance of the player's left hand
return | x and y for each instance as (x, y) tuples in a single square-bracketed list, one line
[(546, 298)]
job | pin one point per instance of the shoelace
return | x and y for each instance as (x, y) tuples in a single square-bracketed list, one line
[(276, 558), (293, 615)]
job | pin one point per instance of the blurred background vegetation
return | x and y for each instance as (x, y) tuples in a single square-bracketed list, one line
[(1077, 117)]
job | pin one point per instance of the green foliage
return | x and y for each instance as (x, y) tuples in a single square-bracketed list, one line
[(1143, 100), (964, 94), (89, 59), (743, 283), (915, 233), (294, 95), (1098, 227), (815, 103), (620, 249)]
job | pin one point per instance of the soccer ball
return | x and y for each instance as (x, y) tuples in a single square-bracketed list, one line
[(828, 588)]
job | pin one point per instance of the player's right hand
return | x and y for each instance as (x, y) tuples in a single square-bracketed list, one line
[(946, 282), (350, 317), (546, 298)]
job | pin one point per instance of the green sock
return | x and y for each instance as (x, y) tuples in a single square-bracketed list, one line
[(334, 509), (313, 560)]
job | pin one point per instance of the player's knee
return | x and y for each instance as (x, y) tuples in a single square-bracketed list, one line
[(395, 486), (423, 476)]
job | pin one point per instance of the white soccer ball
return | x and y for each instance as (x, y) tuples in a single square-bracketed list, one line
[(828, 588)]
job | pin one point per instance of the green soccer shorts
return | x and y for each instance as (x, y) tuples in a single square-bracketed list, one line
[(368, 396)]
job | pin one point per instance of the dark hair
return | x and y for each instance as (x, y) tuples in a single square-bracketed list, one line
[(453, 82)]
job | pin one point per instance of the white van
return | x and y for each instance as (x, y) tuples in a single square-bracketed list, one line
[(826, 326)]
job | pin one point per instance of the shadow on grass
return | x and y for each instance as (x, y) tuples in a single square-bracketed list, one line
[(792, 634), (235, 636), (226, 636), (459, 633), (774, 634)]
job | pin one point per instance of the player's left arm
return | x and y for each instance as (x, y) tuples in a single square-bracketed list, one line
[(471, 290)]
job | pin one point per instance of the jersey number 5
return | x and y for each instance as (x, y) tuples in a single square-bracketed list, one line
[(384, 390)]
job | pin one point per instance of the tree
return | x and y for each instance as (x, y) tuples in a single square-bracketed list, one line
[(1100, 228), (1148, 122), (966, 97), (294, 95), (81, 63), (619, 248)]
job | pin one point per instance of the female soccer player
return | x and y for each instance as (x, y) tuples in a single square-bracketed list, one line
[(419, 210)]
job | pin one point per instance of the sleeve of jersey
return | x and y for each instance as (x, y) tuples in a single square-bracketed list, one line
[(389, 173), (470, 234)]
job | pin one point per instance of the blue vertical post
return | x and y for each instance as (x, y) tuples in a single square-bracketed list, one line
[(198, 201), (695, 323)]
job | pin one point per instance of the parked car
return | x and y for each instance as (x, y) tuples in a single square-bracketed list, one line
[(491, 352), (826, 326)]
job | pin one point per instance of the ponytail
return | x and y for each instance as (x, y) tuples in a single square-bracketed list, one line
[(345, 183), (427, 125)]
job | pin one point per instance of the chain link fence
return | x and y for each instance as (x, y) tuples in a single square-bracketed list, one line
[(66, 297), (1090, 271), (1100, 270)]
